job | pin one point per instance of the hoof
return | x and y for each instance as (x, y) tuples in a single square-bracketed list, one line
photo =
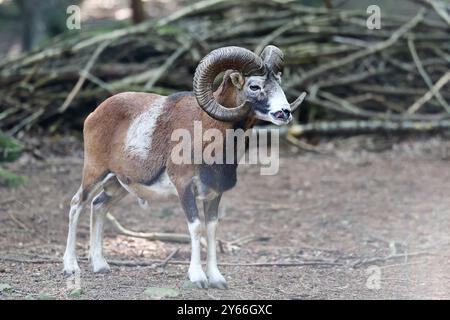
[(198, 277), (203, 284), (70, 268), (69, 273), (105, 269), (218, 285), (216, 280), (101, 266)]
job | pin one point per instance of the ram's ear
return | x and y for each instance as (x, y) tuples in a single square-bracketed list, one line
[(237, 79)]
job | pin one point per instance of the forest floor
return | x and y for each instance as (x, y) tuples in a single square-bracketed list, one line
[(378, 211)]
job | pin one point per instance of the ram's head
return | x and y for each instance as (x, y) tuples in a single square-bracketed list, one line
[(257, 80)]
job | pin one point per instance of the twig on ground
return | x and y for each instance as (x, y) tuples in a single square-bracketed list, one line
[(234, 245), (18, 222), (405, 255), (248, 239), (169, 257)]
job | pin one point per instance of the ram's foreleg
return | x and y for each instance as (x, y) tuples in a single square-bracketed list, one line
[(211, 209), (187, 198)]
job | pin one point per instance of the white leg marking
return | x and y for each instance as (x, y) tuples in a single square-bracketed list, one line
[(70, 256), (139, 136), (98, 213), (216, 279), (196, 274)]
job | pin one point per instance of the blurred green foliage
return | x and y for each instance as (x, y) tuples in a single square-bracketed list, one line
[(10, 150)]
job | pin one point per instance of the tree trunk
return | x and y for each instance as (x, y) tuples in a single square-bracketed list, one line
[(137, 7)]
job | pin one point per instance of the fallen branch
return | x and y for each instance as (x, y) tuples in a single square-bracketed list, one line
[(405, 255), (168, 237), (235, 245), (354, 126), (158, 263)]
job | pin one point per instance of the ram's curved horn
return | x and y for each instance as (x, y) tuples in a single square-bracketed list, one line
[(298, 101), (273, 58), (210, 66)]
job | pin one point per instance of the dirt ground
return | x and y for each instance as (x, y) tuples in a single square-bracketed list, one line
[(373, 215)]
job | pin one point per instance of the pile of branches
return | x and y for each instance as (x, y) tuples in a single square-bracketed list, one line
[(396, 76)]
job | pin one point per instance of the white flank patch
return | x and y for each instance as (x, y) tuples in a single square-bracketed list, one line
[(139, 136)]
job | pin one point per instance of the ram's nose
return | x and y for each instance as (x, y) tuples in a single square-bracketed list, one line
[(283, 114)]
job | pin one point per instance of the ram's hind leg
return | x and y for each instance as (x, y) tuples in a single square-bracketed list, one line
[(112, 193), (70, 256), (90, 185)]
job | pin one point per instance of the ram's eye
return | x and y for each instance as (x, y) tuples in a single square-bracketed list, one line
[(255, 88)]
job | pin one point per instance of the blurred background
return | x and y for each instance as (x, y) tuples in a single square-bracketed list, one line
[(52, 75), (368, 66), (375, 127)]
